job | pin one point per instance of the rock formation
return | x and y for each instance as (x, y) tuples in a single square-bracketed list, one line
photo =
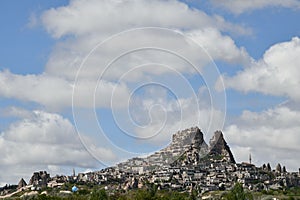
[(189, 140), (187, 148), (39, 179), (278, 168), (219, 148), (21, 183)]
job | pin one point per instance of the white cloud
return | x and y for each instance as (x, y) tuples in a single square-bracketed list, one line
[(220, 47), (55, 92), (108, 17), (241, 6), (271, 136), (90, 22), (65, 59), (277, 73), (43, 89), (44, 139), (53, 88)]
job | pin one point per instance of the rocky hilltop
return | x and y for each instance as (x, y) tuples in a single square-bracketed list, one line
[(219, 147), (186, 148), (187, 139)]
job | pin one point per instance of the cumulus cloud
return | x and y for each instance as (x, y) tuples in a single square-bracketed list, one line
[(114, 16), (277, 73), (43, 89), (142, 46), (90, 22), (270, 136), (220, 47), (55, 92), (43, 139), (241, 6), (81, 25)]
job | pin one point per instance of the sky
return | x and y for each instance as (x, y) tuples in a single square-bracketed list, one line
[(85, 84)]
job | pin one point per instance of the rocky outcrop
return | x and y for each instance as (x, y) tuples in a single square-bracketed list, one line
[(188, 140), (187, 148), (21, 183), (187, 137), (39, 179), (219, 148), (194, 149), (198, 151)]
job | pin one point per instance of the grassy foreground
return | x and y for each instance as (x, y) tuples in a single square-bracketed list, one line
[(90, 192)]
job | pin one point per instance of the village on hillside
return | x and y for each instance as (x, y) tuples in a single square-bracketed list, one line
[(188, 164)]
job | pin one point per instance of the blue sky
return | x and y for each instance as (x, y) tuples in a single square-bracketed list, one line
[(218, 65)]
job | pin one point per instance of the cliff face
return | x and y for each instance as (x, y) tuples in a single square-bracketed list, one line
[(219, 147), (194, 148), (182, 141), (186, 140), (21, 183)]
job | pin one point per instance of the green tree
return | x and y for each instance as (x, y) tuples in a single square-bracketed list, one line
[(99, 195), (238, 193), (193, 195), (143, 195)]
